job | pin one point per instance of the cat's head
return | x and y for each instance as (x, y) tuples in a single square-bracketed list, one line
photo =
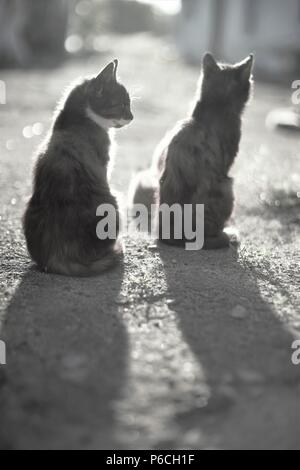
[(226, 84), (107, 100)]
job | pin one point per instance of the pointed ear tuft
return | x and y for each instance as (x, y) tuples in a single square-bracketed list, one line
[(246, 67), (209, 63), (107, 74), (116, 64)]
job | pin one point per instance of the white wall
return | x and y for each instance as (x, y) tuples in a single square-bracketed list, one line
[(194, 32), (276, 34), (275, 37)]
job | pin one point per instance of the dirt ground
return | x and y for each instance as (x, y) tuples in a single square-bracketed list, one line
[(177, 349)]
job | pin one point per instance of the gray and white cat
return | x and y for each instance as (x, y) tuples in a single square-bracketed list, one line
[(71, 180), (191, 165)]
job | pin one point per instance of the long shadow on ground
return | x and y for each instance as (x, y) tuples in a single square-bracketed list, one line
[(66, 363), (243, 348)]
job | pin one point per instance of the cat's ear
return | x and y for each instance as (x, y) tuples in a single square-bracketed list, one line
[(209, 64), (245, 67), (108, 74)]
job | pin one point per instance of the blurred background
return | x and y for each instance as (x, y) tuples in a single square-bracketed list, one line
[(141, 388), (46, 45), (34, 32)]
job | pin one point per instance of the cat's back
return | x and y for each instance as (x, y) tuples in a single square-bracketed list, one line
[(80, 142), (55, 158), (69, 154), (177, 143), (190, 142)]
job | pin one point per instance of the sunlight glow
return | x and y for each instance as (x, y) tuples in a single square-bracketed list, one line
[(170, 7)]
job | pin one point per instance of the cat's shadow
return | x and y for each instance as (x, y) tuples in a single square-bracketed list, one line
[(239, 342), (66, 362)]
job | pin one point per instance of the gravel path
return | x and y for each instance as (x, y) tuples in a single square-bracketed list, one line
[(176, 349)]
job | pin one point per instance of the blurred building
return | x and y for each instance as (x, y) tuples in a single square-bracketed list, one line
[(233, 28), (32, 30)]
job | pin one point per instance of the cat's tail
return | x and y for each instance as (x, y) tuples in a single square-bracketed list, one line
[(143, 189), (110, 259), (144, 186)]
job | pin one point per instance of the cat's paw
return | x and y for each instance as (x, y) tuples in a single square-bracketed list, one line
[(233, 235), (217, 243)]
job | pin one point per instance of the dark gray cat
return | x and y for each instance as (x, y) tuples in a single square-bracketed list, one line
[(71, 180), (192, 163)]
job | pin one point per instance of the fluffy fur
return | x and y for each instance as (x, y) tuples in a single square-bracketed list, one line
[(192, 163), (71, 180)]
